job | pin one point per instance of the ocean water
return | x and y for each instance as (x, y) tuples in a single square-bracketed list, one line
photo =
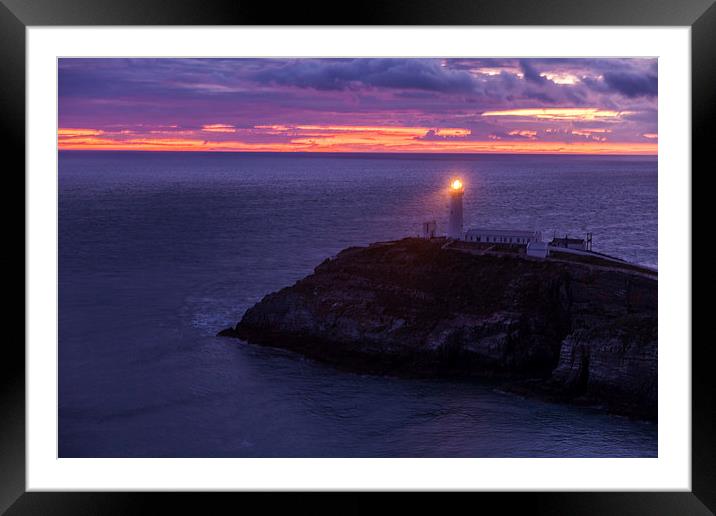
[(159, 251)]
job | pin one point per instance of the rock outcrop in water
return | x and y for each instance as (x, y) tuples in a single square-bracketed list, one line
[(569, 331)]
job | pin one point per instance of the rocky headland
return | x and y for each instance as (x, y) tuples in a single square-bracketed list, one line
[(568, 331)]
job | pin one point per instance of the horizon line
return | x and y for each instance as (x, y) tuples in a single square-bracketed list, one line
[(396, 153)]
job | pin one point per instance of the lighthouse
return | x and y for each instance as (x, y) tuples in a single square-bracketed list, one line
[(455, 221)]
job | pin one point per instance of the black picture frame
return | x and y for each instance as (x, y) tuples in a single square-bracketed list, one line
[(16, 15)]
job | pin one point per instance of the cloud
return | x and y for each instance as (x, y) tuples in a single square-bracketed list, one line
[(218, 128), (632, 84), (514, 135), (363, 140), (70, 132), (588, 132), (445, 134), (271, 101), (575, 114), (524, 134), (344, 74), (541, 96), (530, 73)]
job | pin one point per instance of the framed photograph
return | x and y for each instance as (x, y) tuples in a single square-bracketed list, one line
[(437, 247)]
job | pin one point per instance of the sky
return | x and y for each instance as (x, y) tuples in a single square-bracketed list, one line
[(500, 105)]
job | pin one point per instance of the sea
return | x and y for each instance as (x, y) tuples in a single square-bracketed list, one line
[(158, 251)]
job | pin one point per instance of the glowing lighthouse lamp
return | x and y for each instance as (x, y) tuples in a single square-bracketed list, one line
[(455, 222)]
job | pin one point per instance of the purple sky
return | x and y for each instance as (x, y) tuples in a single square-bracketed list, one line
[(393, 105)]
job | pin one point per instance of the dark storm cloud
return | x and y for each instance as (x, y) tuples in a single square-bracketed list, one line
[(632, 84), (530, 73), (341, 74)]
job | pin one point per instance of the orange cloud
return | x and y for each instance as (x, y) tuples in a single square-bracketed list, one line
[(650, 136), (576, 114), (384, 130), (218, 128), (453, 132), (318, 138), (78, 132), (590, 132), (169, 144), (594, 134), (526, 134), (387, 130)]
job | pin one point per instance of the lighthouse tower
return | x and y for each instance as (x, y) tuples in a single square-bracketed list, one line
[(455, 221)]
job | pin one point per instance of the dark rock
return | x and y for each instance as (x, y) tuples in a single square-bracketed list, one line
[(412, 307), (228, 332), (614, 363)]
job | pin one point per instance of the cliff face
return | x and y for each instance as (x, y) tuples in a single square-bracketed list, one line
[(411, 307)]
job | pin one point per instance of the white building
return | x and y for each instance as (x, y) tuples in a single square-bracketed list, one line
[(502, 236), (538, 249)]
